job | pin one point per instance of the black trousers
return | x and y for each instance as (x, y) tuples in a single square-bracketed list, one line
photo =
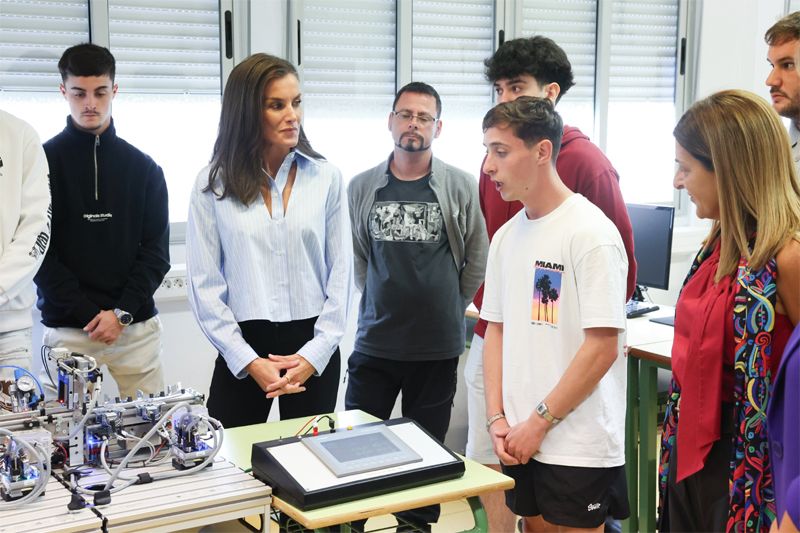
[(241, 402), (428, 389), (701, 501)]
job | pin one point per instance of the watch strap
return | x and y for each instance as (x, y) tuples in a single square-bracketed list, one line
[(123, 317), (544, 412), (492, 419)]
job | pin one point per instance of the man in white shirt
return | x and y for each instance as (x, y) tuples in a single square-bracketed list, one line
[(24, 235), (555, 303), (783, 39)]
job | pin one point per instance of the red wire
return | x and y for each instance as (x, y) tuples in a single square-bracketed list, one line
[(158, 449), (64, 451), (305, 425)]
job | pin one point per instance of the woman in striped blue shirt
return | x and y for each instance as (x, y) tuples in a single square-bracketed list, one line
[(269, 253)]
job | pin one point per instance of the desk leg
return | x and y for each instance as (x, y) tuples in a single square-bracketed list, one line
[(479, 515), (265, 519), (631, 443), (648, 406), (343, 528)]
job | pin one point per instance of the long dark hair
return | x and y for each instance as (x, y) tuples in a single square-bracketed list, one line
[(236, 160)]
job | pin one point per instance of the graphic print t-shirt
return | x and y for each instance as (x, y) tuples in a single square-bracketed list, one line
[(547, 280), (411, 308)]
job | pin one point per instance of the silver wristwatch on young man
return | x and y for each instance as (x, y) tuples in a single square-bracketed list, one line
[(124, 317), (544, 412)]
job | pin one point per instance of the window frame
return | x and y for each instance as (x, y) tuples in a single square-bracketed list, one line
[(689, 25), (99, 32)]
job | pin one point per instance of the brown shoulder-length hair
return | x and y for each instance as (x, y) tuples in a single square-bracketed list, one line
[(738, 136), (236, 160)]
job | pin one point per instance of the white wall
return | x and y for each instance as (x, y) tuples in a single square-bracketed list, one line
[(733, 54)]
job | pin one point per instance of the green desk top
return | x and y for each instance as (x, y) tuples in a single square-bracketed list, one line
[(477, 478)]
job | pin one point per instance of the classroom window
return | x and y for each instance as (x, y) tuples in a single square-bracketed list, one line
[(449, 41), (624, 55), (354, 54), (346, 60), (33, 36), (168, 72), (572, 24), (641, 97)]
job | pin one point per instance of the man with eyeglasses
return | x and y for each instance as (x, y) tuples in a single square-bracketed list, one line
[(420, 251)]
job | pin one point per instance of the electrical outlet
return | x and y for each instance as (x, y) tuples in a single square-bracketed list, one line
[(173, 287)]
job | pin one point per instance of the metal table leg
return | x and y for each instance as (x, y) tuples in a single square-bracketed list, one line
[(631, 444), (479, 514), (648, 407)]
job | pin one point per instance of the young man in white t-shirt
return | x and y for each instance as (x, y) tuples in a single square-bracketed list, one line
[(555, 302)]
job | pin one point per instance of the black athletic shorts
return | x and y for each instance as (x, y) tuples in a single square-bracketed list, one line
[(568, 495)]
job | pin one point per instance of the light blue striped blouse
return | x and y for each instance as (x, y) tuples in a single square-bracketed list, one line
[(244, 264)]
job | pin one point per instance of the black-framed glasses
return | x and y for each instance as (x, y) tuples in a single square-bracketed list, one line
[(424, 119)]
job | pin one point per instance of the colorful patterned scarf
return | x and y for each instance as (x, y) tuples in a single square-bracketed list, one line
[(752, 501)]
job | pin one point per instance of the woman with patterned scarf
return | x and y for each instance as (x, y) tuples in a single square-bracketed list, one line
[(737, 308)]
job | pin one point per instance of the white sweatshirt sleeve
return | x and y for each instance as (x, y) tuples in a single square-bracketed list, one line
[(22, 254)]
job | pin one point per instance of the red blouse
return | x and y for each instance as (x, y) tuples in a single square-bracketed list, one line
[(703, 352)]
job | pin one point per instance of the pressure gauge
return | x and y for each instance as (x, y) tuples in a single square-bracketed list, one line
[(25, 383)]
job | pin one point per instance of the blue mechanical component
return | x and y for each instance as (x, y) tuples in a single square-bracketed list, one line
[(188, 448), (17, 476)]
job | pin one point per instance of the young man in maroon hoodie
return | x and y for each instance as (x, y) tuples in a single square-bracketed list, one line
[(535, 66)]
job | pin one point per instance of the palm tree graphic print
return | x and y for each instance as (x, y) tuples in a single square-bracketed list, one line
[(546, 292)]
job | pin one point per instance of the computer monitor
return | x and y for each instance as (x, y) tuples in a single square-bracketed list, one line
[(652, 244)]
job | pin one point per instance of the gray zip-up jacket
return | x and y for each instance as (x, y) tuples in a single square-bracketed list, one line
[(457, 194)]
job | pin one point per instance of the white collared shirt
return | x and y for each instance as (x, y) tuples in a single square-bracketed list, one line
[(245, 264)]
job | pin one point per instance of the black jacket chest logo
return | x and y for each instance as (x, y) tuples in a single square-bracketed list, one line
[(97, 217)]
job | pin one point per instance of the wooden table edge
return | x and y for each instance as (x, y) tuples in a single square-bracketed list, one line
[(316, 523)]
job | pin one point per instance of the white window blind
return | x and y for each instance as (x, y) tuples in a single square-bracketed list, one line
[(641, 97), (451, 39), (33, 34), (346, 60), (347, 49), (166, 46), (572, 24), (644, 37)]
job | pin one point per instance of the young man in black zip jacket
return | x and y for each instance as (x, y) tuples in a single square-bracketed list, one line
[(110, 241)]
